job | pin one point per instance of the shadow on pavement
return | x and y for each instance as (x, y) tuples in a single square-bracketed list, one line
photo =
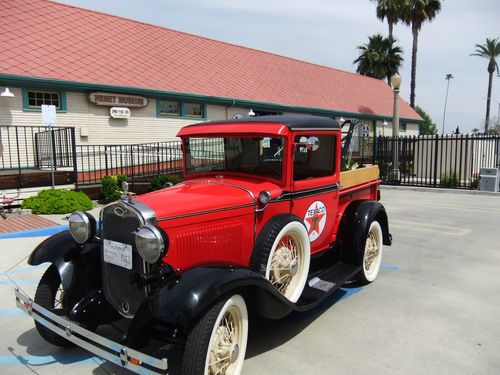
[(265, 334)]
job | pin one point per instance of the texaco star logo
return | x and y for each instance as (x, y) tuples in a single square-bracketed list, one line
[(315, 220)]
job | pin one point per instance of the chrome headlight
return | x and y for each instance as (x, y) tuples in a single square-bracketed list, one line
[(150, 243), (81, 226), (264, 197)]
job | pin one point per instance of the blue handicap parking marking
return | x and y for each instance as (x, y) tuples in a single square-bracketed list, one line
[(41, 232), (389, 267)]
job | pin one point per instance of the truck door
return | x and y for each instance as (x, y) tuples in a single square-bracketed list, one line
[(315, 185)]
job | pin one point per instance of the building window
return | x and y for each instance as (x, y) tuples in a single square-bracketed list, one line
[(402, 126), (37, 98), (180, 109), (33, 99), (192, 110), (169, 108), (266, 113)]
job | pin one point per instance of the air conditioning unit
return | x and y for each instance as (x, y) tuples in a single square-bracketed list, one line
[(489, 179)]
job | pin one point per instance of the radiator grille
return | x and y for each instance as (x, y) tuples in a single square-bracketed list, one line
[(119, 287)]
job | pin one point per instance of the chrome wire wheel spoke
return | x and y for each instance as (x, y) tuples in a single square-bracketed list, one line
[(286, 253), (373, 251), (58, 298), (224, 351)]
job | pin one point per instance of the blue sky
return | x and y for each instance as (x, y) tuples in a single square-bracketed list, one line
[(327, 32)]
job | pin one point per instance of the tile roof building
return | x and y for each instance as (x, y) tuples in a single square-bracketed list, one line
[(67, 54)]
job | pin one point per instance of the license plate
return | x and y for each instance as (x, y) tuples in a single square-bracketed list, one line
[(117, 253)]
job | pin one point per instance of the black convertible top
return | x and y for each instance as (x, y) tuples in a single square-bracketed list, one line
[(291, 121)]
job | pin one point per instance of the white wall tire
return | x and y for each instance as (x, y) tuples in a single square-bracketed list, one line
[(372, 253), (217, 344), (282, 255)]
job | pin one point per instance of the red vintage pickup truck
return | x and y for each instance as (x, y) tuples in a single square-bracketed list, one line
[(264, 220)]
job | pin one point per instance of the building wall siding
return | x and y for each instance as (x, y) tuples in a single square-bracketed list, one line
[(143, 126)]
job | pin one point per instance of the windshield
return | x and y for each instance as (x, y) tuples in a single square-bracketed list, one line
[(261, 156)]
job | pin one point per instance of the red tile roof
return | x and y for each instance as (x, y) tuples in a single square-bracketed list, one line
[(40, 38)]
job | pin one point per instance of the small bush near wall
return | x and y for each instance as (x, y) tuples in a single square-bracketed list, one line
[(159, 181), (111, 186), (57, 202), (449, 179)]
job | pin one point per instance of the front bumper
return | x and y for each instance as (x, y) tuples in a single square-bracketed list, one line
[(112, 351)]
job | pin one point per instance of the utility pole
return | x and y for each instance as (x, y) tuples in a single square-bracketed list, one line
[(447, 77)]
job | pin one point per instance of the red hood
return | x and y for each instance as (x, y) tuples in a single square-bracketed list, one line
[(205, 195)]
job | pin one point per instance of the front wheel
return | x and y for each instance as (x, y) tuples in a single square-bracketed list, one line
[(50, 294), (372, 255), (217, 344), (282, 255)]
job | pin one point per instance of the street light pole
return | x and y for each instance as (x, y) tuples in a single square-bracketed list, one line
[(396, 84), (448, 77)]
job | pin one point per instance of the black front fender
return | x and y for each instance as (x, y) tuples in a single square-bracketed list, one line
[(55, 250), (182, 300), (78, 265)]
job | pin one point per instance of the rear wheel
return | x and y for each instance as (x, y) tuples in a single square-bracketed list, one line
[(217, 344), (50, 294), (372, 255)]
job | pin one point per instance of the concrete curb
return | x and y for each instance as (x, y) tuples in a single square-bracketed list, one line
[(438, 190)]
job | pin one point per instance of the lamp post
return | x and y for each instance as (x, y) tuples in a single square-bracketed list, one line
[(396, 84), (448, 77)]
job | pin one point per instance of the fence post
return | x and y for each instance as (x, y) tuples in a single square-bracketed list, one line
[(20, 175), (106, 158), (132, 165), (158, 158), (75, 159), (436, 148)]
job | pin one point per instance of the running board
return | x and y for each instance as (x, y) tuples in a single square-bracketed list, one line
[(323, 283)]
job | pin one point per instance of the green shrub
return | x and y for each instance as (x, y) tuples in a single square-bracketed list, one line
[(449, 179), (474, 183), (159, 181), (54, 201), (111, 186)]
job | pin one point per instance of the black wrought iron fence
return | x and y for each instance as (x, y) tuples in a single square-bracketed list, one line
[(25, 149), (137, 161), (59, 142), (451, 161)]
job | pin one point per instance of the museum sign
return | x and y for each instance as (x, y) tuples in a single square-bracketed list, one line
[(117, 100)]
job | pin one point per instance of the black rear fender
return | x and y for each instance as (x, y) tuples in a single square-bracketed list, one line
[(355, 224)]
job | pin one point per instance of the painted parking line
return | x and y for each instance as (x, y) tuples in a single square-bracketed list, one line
[(25, 269), (19, 282), (435, 228), (12, 312), (462, 208), (41, 232), (33, 360), (389, 267)]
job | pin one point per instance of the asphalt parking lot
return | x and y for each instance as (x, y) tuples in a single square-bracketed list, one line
[(435, 307)]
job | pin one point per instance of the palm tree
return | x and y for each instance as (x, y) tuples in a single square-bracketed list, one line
[(379, 58), (490, 50), (415, 13), (390, 10)]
